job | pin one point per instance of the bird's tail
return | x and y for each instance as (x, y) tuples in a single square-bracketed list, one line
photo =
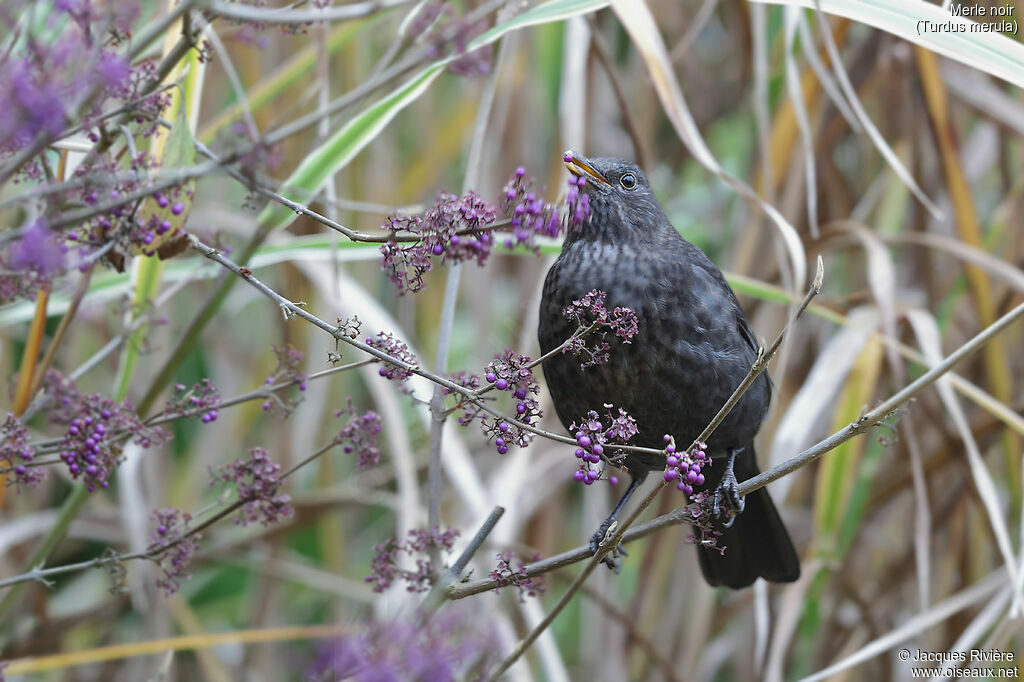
[(756, 545)]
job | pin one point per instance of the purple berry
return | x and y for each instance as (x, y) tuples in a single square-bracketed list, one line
[(177, 208), (579, 475), (671, 475), (501, 384), (490, 377)]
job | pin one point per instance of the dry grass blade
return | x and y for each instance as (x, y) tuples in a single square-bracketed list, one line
[(639, 24), (803, 423), (791, 18), (876, 137), (987, 51), (972, 634), (927, 333), (790, 607), (969, 229), (975, 594)]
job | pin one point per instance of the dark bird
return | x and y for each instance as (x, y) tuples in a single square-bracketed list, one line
[(693, 348)]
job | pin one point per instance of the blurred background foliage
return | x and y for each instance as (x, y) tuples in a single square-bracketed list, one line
[(902, 285)]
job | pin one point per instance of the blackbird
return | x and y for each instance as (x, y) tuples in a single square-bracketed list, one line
[(693, 348)]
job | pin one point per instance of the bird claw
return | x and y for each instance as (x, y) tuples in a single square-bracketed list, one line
[(727, 499), (601, 537)]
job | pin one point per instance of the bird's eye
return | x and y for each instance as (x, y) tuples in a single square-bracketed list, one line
[(628, 181)]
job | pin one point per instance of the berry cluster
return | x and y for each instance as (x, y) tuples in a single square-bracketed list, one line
[(384, 566), (257, 481), (201, 400), (685, 467), (17, 455), (592, 436), (360, 435), (510, 372), (453, 644), (529, 215), (172, 547), (504, 574), (590, 313), (91, 447), (387, 342), (577, 202), (454, 229)]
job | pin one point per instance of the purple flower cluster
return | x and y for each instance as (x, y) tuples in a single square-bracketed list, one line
[(504, 574), (16, 455), (30, 262), (470, 410), (702, 520), (172, 547), (384, 566), (289, 360), (453, 645), (592, 437), (257, 481), (360, 435), (386, 342), (201, 400), (510, 371), (454, 230), (45, 82), (63, 396), (590, 311), (685, 467), (446, 33), (97, 425), (529, 215)]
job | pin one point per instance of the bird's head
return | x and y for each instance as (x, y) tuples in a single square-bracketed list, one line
[(622, 205)]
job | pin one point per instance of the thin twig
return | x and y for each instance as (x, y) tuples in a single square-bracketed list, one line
[(438, 594), (876, 416)]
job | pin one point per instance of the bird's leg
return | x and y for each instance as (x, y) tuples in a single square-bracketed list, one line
[(607, 527), (727, 494)]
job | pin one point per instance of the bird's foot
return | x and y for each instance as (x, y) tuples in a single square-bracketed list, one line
[(601, 538), (727, 500)]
